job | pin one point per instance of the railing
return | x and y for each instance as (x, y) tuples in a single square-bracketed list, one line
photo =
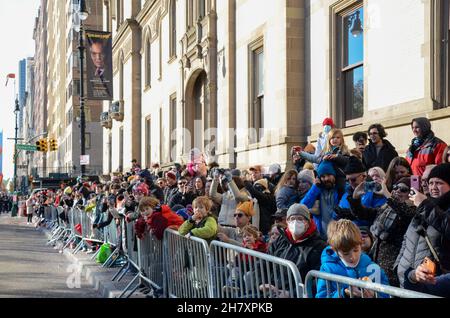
[(186, 265), (238, 272), (189, 268), (338, 283)]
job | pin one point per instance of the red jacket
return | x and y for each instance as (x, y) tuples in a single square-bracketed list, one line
[(429, 153), (158, 222)]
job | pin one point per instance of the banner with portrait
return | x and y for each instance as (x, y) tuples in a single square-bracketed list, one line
[(99, 65)]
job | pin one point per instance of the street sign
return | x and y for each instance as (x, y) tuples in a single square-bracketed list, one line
[(84, 160), (26, 147)]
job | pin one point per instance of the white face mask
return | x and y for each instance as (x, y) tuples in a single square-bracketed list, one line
[(297, 228), (326, 129)]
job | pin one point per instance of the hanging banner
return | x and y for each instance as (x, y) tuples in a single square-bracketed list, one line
[(99, 65)]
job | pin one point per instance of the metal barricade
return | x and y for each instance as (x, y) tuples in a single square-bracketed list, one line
[(88, 232), (150, 251), (186, 265), (238, 272), (339, 282)]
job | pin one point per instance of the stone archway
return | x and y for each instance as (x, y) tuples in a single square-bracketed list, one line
[(197, 111)]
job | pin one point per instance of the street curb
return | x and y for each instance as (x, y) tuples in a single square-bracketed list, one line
[(97, 276)]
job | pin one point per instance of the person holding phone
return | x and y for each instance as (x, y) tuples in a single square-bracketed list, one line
[(389, 223), (428, 233)]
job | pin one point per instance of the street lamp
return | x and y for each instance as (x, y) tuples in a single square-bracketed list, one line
[(355, 22), (82, 15), (15, 207)]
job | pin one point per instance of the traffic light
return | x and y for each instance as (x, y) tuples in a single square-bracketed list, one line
[(53, 144), (42, 145)]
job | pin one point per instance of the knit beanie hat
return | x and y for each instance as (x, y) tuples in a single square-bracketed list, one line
[(328, 122), (306, 176), (354, 165), (246, 207), (442, 172), (325, 167), (299, 209)]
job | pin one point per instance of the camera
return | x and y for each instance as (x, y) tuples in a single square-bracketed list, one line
[(372, 186)]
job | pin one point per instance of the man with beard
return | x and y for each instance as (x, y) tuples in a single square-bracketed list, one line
[(326, 192)]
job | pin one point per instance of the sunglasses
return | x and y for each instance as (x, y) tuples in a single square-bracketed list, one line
[(401, 189), (238, 215), (182, 183), (364, 234)]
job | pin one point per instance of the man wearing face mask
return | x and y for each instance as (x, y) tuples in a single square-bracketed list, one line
[(299, 242)]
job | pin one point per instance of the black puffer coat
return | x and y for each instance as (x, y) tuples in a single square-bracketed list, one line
[(439, 218), (414, 247)]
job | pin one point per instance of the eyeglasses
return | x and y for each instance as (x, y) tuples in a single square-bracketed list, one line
[(238, 215), (364, 234), (373, 133), (182, 183), (400, 188)]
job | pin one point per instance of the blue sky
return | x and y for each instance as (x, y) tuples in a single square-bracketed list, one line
[(16, 33)]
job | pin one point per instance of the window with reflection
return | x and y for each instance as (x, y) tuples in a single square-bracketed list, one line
[(352, 63)]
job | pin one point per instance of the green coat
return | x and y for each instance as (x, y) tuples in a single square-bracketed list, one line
[(206, 229)]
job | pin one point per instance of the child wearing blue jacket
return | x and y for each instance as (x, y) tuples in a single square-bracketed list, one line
[(344, 257)]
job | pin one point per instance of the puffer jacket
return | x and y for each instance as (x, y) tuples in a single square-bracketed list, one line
[(430, 152), (439, 218), (414, 247), (382, 159), (331, 263), (206, 229), (285, 197), (390, 223)]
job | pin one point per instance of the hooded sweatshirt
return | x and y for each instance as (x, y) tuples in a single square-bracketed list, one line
[(332, 264)]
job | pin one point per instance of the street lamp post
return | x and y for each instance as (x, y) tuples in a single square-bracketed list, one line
[(82, 15), (15, 206)]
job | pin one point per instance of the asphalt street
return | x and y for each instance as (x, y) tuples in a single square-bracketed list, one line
[(29, 268)]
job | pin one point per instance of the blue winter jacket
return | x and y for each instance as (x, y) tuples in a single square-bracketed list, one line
[(285, 197), (331, 263), (328, 202), (369, 200)]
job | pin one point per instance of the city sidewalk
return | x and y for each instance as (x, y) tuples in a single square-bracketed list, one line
[(97, 276), (29, 268)]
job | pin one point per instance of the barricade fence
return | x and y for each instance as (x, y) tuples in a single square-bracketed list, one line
[(191, 268), (339, 283), (186, 266), (238, 272)]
